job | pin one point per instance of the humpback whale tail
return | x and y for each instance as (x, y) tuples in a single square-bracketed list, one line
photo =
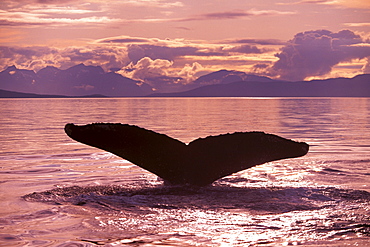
[(200, 162)]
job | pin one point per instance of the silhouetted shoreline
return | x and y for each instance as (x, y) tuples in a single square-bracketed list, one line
[(12, 94)]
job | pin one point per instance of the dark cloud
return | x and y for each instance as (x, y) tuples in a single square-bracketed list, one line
[(247, 49), (137, 52), (124, 40), (18, 23), (234, 14), (216, 16), (138, 48), (225, 15), (259, 41), (314, 53), (260, 68), (27, 52), (183, 28)]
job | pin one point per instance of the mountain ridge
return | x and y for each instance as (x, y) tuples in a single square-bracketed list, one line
[(74, 81), (93, 80), (358, 86)]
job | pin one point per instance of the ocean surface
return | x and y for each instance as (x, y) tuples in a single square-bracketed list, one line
[(57, 192)]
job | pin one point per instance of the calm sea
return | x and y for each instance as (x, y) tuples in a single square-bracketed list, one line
[(57, 192)]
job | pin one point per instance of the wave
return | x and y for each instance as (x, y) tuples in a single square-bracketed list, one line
[(273, 199), (295, 214)]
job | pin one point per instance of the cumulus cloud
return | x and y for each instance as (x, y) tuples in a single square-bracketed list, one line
[(366, 67), (161, 74), (147, 68), (118, 52), (38, 57), (190, 72), (314, 53), (26, 57)]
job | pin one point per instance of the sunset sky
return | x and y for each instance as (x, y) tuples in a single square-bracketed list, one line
[(286, 39)]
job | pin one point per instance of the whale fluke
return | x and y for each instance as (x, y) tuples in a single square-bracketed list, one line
[(200, 162)]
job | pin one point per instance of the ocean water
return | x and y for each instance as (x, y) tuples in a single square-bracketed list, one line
[(57, 192)]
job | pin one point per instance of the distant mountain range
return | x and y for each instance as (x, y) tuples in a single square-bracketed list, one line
[(93, 81), (75, 81), (359, 86)]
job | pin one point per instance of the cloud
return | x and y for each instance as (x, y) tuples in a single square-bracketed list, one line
[(137, 52), (183, 28), (38, 57), (53, 13), (24, 56), (221, 15), (314, 53), (153, 3), (366, 67), (54, 2), (260, 68), (16, 4), (190, 71), (357, 4), (147, 68), (306, 2), (172, 62), (161, 74), (123, 39), (117, 52), (39, 19), (234, 14), (257, 41), (247, 49), (358, 24), (82, 13), (172, 49), (197, 51)]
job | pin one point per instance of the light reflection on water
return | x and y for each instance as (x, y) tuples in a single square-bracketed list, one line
[(298, 201)]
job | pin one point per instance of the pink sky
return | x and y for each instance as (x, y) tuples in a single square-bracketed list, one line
[(145, 38)]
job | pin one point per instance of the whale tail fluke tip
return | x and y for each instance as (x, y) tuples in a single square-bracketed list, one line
[(68, 129)]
